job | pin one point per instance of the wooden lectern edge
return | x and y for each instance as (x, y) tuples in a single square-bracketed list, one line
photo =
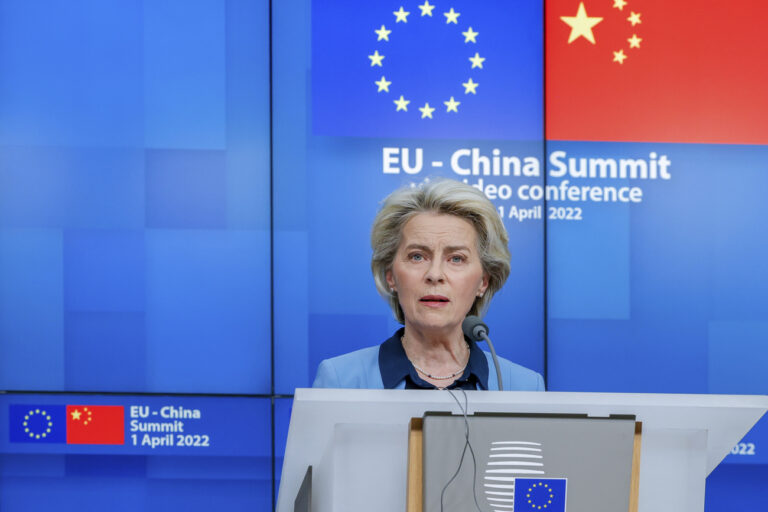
[(634, 483), (415, 489)]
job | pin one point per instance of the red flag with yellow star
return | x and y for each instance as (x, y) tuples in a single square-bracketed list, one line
[(95, 424), (657, 71)]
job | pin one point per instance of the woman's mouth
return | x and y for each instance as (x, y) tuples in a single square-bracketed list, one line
[(435, 301)]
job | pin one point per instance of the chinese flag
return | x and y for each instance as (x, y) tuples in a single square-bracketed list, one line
[(657, 71), (95, 424)]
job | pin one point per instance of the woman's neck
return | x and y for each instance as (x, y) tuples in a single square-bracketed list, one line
[(440, 353)]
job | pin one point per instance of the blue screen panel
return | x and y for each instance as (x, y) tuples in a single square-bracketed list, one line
[(134, 197), (191, 453), (340, 146), (685, 265)]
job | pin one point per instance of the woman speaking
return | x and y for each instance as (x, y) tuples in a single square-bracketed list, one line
[(439, 254)]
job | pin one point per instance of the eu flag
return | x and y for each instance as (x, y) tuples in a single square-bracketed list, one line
[(37, 423), (459, 69), (537, 494)]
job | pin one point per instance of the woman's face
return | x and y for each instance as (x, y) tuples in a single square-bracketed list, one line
[(437, 272)]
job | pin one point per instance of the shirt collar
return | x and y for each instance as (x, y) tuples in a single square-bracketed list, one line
[(395, 366)]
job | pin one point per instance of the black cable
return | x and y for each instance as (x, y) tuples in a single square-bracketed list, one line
[(467, 444)]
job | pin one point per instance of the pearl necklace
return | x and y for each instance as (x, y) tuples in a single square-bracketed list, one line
[(436, 377)]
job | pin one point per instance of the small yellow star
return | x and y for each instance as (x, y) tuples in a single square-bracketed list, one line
[(426, 111), (76, 414), (470, 86), (452, 16), (376, 59), (581, 25), (634, 18), (383, 84), (619, 4), (451, 105), (383, 33), (402, 104), (401, 15), (426, 9), (477, 61), (470, 35), (634, 41), (619, 56)]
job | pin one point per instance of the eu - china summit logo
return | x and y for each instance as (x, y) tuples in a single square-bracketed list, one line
[(69, 424), (423, 68)]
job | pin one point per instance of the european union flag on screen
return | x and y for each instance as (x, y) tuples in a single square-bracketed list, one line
[(31, 423), (457, 69), (538, 494)]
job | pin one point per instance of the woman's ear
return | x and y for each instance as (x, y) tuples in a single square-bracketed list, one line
[(483, 285), (391, 281)]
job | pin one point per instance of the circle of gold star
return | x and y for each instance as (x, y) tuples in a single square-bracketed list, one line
[(46, 426), (377, 59)]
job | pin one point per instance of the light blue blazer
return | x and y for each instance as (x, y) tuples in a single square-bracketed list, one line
[(360, 370)]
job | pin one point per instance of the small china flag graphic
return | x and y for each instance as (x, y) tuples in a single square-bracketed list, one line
[(95, 424), (70, 424)]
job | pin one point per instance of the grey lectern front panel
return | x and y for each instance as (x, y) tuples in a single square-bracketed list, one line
[(525, 463)]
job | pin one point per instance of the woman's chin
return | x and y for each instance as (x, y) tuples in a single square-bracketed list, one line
[(434, 322)]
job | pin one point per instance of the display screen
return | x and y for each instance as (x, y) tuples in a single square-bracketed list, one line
[(187, 191)]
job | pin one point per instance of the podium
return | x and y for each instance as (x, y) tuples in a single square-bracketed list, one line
[(357, 440)]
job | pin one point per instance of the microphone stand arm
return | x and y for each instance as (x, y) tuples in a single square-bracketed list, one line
[(484, 335)]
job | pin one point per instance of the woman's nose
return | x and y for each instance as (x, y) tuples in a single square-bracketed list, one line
[(435, 272)]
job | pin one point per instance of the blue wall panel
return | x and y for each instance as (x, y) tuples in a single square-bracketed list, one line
[(134, 196)]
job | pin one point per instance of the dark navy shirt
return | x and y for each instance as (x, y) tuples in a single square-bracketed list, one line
[(395, 366)]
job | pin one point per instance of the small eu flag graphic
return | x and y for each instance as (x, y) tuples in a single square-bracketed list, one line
[(540, 494), (37, 423)]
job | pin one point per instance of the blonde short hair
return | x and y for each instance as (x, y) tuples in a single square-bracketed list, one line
[(441, 196)]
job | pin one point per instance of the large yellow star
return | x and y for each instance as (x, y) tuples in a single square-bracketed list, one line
[(402, 104), (383, 33), (477, 61), (619, 56), (376, 59), (470, 86), (451, 105), (634, 41), (470, 35), (452, 16), (401, 15), (76, 414), (581, 25), (426, 111), (634, 18), (383, 84)]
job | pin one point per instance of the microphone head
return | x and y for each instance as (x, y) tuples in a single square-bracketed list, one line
[(474, 328)]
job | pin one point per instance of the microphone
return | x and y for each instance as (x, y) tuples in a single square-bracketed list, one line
[(476, 330)]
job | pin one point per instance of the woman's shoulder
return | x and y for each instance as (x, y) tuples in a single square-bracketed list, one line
[(516, 377), (354, 370)]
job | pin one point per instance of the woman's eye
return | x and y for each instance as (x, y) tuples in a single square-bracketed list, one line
[(457, 259), (417, 257)]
